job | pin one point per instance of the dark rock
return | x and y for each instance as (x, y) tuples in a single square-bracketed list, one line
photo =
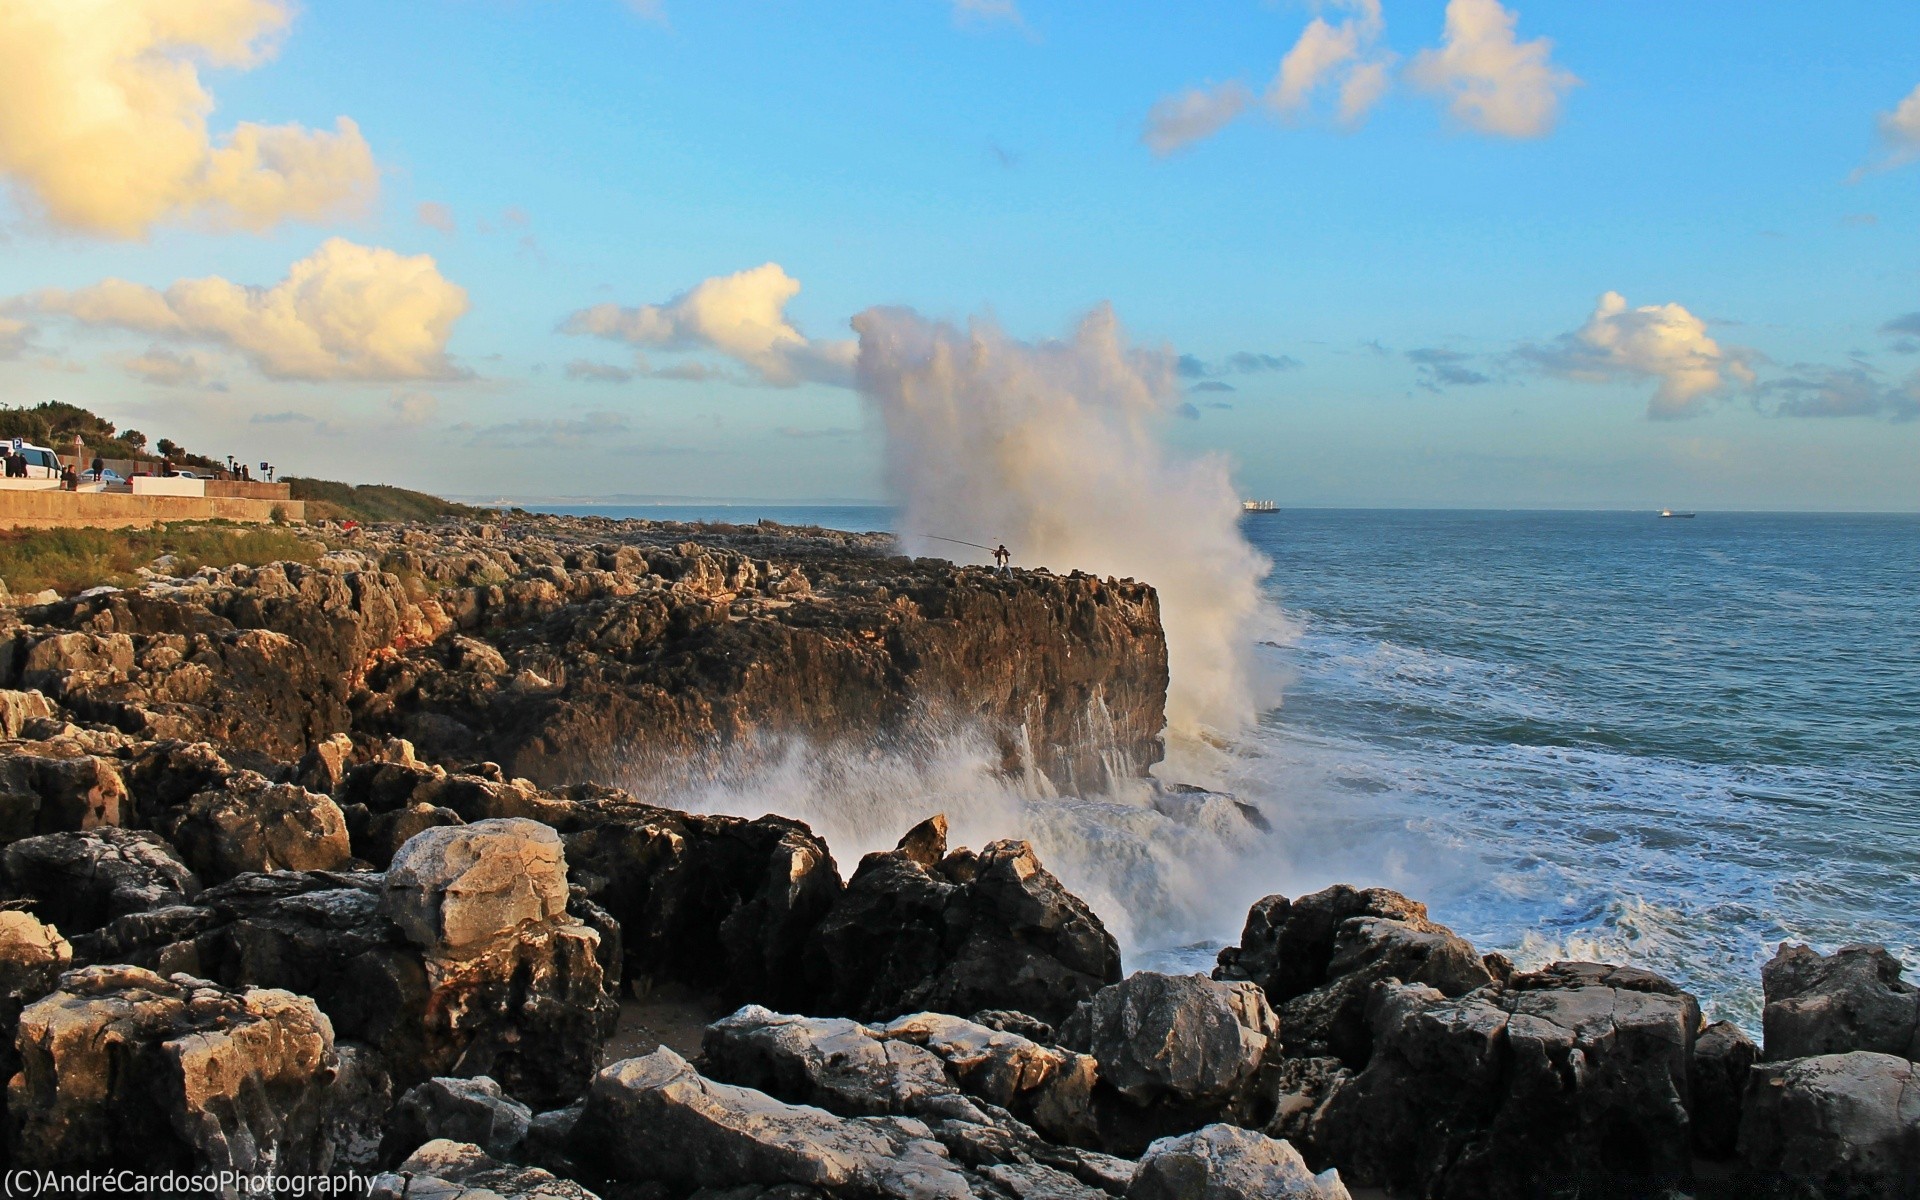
[(905, 938), (831, 1062), (49, 795), (123, 1068), (454, 889), (1184, 1037), (1047, 1087), (1288, 945), (453, 1170), (33, 956), (1578, 1072), (1222, 1162), (1298, 1091), (1834, 1127), (1852, 999), (358, 1109), (459, 1110), (80, 881), (655, 1118), (1722, 1055), (252, 824)]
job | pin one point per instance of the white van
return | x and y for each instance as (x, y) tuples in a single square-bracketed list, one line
[(42, 463)]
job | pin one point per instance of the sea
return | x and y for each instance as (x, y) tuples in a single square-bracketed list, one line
[(1674, 743)]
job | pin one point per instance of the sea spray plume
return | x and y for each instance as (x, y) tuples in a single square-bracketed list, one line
[(1055, 448)]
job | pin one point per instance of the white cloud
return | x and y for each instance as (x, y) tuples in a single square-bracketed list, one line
[(1900, 130), (587, 371), (1490, 81), (15, 337), (987, 12), (169, 368), (413, 409), (435, 215), (344, 312), (1328, 52), (1663, 342), (1176, 122), (103, 120), (742, 316)]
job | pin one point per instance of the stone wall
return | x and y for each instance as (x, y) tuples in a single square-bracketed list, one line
[(120, 510)]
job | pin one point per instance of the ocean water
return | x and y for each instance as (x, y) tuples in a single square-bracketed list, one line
[(1672, 743), (1668, 742)]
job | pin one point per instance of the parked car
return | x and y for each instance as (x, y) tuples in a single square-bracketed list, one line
[(107, 475)]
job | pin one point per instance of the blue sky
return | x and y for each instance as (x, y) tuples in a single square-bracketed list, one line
[(1425, 281)]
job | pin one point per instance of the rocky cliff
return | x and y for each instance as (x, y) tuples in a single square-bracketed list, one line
[(245, 927)]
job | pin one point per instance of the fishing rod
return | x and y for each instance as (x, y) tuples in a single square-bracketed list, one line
[(956, 541)]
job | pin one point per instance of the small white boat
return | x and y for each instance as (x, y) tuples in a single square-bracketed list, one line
[(1259, 506), (1669, 514)]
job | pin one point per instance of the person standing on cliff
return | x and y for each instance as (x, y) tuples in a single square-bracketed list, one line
[(1001, 557)]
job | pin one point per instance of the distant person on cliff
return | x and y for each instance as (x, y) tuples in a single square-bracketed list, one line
[(1001, 557)]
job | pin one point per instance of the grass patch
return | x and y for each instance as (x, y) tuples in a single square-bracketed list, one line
[(72, 560), (327, 500)]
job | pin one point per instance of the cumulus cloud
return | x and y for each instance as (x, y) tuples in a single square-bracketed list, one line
[(1438, 368), (1900, 134), (169, 368), (1327, 53), (345, 312), (1489, 80), (741, 316), (1662, 342), (103, 120), (435, 215), (1178, 121), (1855, 391)]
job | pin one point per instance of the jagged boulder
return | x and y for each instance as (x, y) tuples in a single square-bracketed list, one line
[(1047, 1087), (459, 1110), (1184, 1037), (17, 708), (1852, 999), (377, 837), (1579, 1071), (251, 824), (121, 1067), (40, 794), (1223, 1162), (453, 1170), (1722, 1056), (969, 932), (33, 956), (656, 1118), (1319, 957), (80, 881), (1834, 1127)]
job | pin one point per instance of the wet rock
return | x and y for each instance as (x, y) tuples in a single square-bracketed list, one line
[(80, 881), (459, 1110), (656, 1118), (453, 1170), (48, 795), (719, 904), (1222, 1162), (907, 938), (455, 888), (1187, 1037), (251, 824), (1852, 999), (1319, 957), (837, 1064), (1579, 1071), (1722, 1056), (1834, 1127), (122, 1067)]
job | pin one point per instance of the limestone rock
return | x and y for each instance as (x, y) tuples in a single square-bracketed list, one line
[(655, 1118), (459, 1110), (122, 1067), (254, 825), (1048, 1087), (1577, 1071), (1288, 945), (837, 1064), (996, 931), (1722, 1056), (453, 889), (17, 708), (1187, 1037), (1852, 999), (452, 1170), (32, 958), (49, 795), (80, 881), (1834, 1127), (1222, 1162)]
